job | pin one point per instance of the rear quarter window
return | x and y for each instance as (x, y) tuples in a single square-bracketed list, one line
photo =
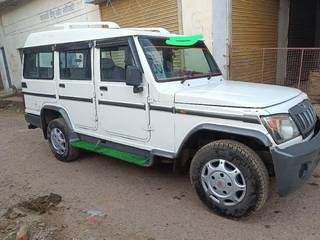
[(38, 65)]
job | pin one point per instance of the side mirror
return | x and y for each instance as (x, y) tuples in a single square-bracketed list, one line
[(134, 78)]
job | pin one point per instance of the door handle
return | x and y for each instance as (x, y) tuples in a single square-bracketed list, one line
[(104, 88), (24, 85), (62, 85)]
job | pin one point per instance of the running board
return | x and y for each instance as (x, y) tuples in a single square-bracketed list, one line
[(101, 148)]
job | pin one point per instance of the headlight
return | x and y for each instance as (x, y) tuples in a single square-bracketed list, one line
[(281, 127)]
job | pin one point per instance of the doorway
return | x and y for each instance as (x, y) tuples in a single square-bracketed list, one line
[(303, 56), (304, 24)]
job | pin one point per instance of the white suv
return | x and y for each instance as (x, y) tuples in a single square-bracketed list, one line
[(145, 95)]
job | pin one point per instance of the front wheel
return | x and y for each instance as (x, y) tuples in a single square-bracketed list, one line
[(230, 178)]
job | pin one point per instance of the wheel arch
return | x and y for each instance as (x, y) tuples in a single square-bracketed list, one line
[(205, 133), (50, 112), (251, 133)]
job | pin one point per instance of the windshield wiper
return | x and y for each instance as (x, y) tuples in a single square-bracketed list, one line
[(194, 74), (189, 75), (183, 80)]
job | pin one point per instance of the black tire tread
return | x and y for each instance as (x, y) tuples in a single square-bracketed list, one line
[(252, 160), (73, 153)]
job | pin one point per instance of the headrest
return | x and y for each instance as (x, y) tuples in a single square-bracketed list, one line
[(107, 63)]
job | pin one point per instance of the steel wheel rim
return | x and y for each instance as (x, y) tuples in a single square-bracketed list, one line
[(58, 140), (223, 182)]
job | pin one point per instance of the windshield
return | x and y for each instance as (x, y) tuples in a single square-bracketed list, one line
[(172, 63)]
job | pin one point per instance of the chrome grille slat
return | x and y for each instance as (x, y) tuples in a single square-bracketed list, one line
[(313, 112), (304, 116), (309, 120), (310, 116), (303, 123)]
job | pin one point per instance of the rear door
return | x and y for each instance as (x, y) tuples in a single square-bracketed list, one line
[(121, 112), (75, 85), (38, 81)]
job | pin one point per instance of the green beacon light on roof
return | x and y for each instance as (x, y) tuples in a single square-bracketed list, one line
[(184, 40)]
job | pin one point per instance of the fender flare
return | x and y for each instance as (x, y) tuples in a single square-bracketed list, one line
[(61, 111), (261, 137)]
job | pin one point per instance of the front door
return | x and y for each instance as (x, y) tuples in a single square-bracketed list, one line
[(76, 87), (122, 113)]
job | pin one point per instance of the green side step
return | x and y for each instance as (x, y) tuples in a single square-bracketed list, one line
[(128, 157)]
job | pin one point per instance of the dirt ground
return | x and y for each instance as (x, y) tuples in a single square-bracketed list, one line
[(104, 198)]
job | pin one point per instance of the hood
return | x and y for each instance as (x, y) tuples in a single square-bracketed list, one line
[(236, 94)]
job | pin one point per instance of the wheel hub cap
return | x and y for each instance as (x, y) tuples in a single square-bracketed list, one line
[(223, 182), (58, 140)]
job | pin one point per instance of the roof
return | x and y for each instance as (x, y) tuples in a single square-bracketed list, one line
[(69, 35)]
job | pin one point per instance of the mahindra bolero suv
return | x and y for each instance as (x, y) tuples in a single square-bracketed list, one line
[(144, 95)]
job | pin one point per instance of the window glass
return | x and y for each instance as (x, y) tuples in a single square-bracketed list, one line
[(38, 65), (45, 60), (75, 65), (113, 63), (172, 63)]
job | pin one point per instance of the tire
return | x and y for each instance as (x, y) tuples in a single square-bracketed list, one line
[(69, 153), (221, 163)]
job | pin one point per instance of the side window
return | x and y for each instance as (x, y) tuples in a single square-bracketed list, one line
[(75, 64), (113, 63), (38, 65)]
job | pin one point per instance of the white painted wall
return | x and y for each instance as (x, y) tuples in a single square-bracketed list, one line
[(197, 19), (3, 72), (221, 33), (210, 18), (35, 16), (283, 31)]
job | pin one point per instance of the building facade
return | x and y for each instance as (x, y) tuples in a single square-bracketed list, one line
[(20, 18), (276, 41), (269, 41)]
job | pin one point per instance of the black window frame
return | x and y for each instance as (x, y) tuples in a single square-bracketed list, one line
[(120, 41), (119, 45), (37, 51), (75, 50), (211, 61)]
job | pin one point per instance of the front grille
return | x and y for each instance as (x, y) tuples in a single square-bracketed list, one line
[(304, 116)]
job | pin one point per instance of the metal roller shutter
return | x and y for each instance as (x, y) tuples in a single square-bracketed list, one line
[(254, 26), (142, 13)]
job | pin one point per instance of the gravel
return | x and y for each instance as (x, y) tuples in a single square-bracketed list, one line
[(136, 202)]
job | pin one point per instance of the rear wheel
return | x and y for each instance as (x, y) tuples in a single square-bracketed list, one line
[(230, 178), (59, 142)]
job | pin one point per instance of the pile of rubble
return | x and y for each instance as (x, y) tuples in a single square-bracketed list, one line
[(23, 221)]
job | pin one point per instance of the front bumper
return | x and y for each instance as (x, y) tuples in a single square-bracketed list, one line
[(294, 165)]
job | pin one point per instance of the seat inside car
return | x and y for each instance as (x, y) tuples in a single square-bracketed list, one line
[(109, 71)]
